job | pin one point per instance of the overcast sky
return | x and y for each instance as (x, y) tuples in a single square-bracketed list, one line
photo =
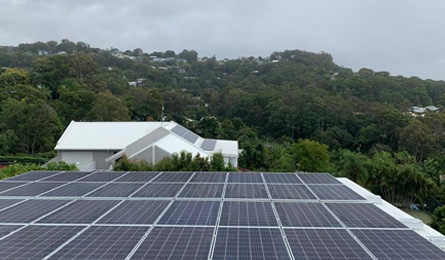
[(404, 37)]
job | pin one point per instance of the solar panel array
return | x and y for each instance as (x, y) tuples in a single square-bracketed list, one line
[(202, 215)]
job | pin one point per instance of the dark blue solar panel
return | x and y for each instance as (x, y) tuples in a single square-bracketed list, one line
[(30, 210), (179, 130), (334, 192), (159, 190), (73, 190), (191, 213), (191, 137), (285, 178), (80, 212), (4, 186), (174, 177), (241, 213), (135, 212), (364, 215), (6, 230), (32, 189), (215, 177), (250, 243), (278, 191), (116, 190), (332, 244), (257, 191), (248, 177), (7, 202), (398, 244), (32, 176), (208, 144), (67, 176), (138, 177), (102, 243), (305, 215), (318, 178), (35, 242), (174, 243), (202, 191), (103, 176)]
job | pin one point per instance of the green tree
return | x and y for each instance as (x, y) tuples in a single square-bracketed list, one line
[(107, 107), (311, 156)]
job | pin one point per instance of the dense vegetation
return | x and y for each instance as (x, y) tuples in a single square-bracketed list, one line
[(293, 110), (19, 168)]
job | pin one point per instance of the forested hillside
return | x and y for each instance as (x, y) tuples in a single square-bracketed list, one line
[(293, 110)]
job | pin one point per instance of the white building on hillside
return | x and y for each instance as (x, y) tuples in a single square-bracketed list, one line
[(97, 145)]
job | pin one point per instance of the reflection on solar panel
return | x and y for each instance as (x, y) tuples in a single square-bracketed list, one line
[(67, 176), (290, 192), (318, 178), (6, 230), (256, 191), (32, 189), (202, 191), (103, 176), (4, 186), (241, 213), (249, 243), (305, 215), (191, 213), (135, 212), (363, 215), (159, 190), (398, 244), (286, 178), (31, 176), (250, 177), (176, 243), (80, 212), (218, 177), (6, 203), (35, 242), (334, 192), (73, 190), (324, 244), (174, 177), (102, 243), (29, 211), (116, 190), (138, 177)]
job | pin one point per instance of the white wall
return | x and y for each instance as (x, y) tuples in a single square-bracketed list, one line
[(80, 158)]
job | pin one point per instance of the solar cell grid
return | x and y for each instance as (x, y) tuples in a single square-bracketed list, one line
[(135, 212), (285, 178), (6, 230), (102, 243), (35, 242), (32, 189), (32, 176), (335, 244), (4, 186), (363, 215), (294, 214), (176, 243), (248, 177), (318, 178), (67, 176), (138, 177), (278, 191), (202, 191), (398, 244), (173, 177), (242, 213), (255, 191), (215, 177), (159, 190), (80, 212), (103, 176), (334, 192), (116, 190), (72, 190), (7, 202), (30, 210), (250, 243), (191, 213)]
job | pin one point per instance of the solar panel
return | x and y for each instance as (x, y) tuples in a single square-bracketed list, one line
[(318, 178), (176, 243), (32, 189), (103, 176), (191, 213), (294, 214), (32, 176), (73, 190), (324, 244), (208, 144), (67, 176), (29, 211), (159, 190), (215, 177), (7, 202), (364, 215), (256, 191), (179, 130), (285, 178), (334, 192), (80, 212), (116, 190), (174, 177), (191, 137), (249, 177), (135, 212), (278, 191), (102, 243), (4, 186), (138, 177), (242, 213), (398, 244), (35, 242), (6, 230), (202, 191), (250, 243)]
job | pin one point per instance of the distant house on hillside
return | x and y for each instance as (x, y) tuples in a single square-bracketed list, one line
[(420, 111), (97, 145)]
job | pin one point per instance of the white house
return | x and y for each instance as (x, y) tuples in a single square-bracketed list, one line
[(97, 145)]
